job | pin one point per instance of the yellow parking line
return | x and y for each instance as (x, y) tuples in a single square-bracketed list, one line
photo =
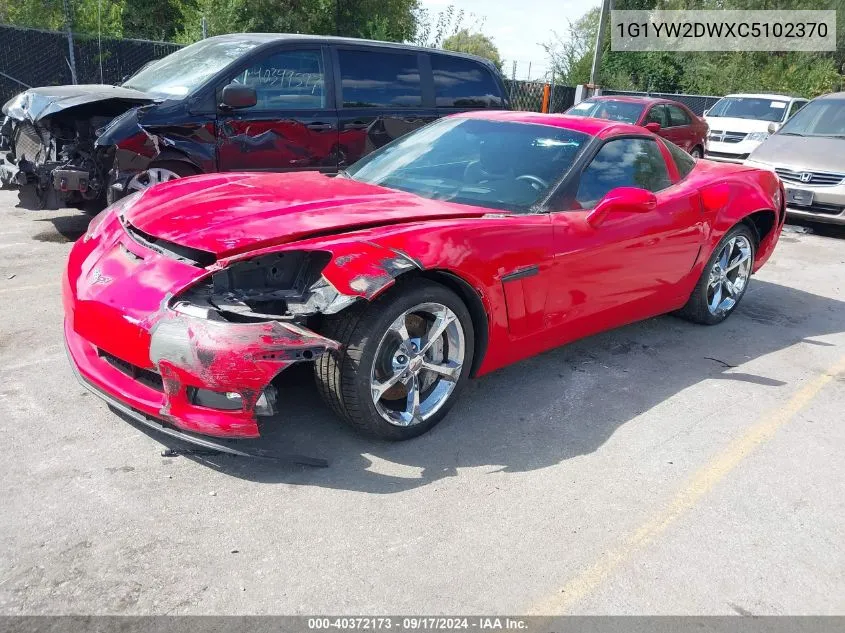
[(704, 480)]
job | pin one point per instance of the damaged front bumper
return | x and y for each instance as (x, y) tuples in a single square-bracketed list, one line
[(217, 446), (211, 378)]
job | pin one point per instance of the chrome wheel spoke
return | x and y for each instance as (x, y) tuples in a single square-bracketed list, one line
[(400, 327), (449, 370), (411, 414), (442, 321), (379, 388), (725, 255), (739, 259), (417, 364), (717, 298), (729, 275)]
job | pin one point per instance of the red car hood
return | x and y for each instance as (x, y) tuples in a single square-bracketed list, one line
[(227, 214)]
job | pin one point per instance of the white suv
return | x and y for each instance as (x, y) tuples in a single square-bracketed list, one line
[(739, 123)]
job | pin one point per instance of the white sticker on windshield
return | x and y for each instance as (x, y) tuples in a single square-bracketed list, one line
[(780, 105)]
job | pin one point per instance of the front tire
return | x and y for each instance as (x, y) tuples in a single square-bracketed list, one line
[(724, 280), (696, 152), (159, 172), (403, 361)]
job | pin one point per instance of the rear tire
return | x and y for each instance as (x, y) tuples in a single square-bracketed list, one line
[(696, 152), (716, 295), (375, 357)]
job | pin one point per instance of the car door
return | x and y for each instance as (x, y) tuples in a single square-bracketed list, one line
[(680, 130), (632, 265), (383, 93), (657, 114), (293, 126)]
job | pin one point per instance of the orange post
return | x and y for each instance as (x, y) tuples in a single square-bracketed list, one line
[(546, 92)]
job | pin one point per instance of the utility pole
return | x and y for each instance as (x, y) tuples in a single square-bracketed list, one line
[(100, 42), (71, 59), (204, 28), (603, 17)]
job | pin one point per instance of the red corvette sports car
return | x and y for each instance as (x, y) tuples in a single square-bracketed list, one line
[(472, 243)]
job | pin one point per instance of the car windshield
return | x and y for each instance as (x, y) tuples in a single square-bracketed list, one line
[(823, 117), (496, 164), (178, 74), (625, 111), (755, 108)]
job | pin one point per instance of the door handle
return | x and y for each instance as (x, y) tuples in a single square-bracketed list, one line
[(320, 126), (356, 125)]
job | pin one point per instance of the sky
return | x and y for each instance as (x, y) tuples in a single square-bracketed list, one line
[(518, 27)]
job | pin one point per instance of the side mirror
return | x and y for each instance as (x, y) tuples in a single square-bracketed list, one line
[(652, 127), (705, 113), (238, 96), (773, 127), (622, 199)]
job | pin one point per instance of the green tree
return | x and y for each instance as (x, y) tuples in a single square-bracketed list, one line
[(572, 55), (474, 43), (87, 16), (392, 20), (151, 19), (432, 30)]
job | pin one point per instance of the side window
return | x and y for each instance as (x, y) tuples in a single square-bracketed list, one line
[(624, 162), (657, 114), (463, 83), (684, 162), (379, 80), (677, 116), (796, 105), (287, 80)]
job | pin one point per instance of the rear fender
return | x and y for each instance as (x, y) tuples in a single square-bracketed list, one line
[(725, 204)]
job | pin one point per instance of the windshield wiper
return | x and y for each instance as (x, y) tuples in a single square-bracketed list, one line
[(791, 134)]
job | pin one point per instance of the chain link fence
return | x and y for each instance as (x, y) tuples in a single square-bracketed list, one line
[(697, 103), (31, 57), (530, 95)]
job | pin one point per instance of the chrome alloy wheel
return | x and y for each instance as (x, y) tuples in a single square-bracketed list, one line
[(418, 364), (729, 275), (150, 177)]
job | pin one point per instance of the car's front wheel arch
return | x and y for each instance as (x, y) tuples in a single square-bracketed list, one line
[(471, 298), (385, 344)]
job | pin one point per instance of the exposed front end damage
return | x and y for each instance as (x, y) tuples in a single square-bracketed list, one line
[(227, 367), (47, 141), (200, 345), (145, 138)]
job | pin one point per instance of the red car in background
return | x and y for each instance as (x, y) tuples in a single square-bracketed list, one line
[(672, 120), (465, 246)]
